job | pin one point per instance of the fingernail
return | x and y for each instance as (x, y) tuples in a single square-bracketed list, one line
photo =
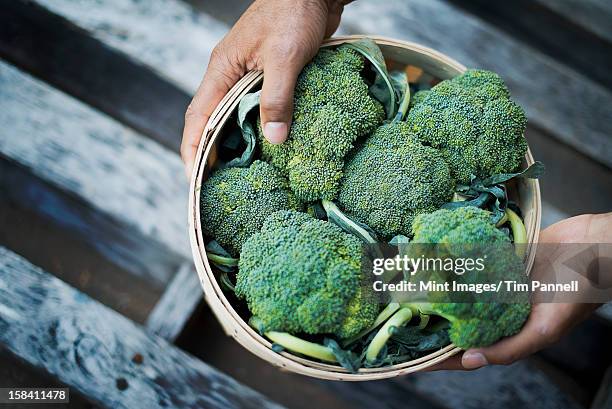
[(473, 360), (275, 132)]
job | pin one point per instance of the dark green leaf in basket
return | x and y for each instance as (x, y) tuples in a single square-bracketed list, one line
[(414, 339), (249, 135), (382, 88), (399, 80), (479, 201), (278, 348), (347, 359), (532, 172), (220, 257)]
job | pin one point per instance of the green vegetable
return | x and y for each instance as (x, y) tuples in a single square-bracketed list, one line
[(400, 318), (392, 178), (475, 324), (300, 274), (473, 122), (295, 344), (332, 108), (383, 316), (236, 201)]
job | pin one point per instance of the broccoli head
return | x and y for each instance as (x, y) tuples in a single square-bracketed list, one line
[(463, 225), (332, 108), (236, 201), (300, 274), (392, 178), (483, 322), (473, 122)]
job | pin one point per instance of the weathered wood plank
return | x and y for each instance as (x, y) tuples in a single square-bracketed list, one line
[(124, 246), (593, 15), (520, 385), (101, 354), (566, 103), (85, 153), (53, 49), (29, 228), (554, 34), (14, 373), (167, 35), (179, 301), (124, 193)]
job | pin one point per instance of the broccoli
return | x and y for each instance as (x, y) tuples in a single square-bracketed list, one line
[(236, 201), (473, 122), (472, 324), (332, 108), (475, 324), (391, 178), (300, 274)]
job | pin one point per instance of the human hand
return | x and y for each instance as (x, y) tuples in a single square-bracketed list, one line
[(276, 36), (548, 322)]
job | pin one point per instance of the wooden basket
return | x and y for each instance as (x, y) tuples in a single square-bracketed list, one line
[(526, 192)]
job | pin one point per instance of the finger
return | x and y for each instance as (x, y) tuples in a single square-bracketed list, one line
[(281, 69), (533, 337), (453, 363), (219, 78)]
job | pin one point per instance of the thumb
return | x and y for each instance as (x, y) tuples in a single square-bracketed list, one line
[(276, 103), (535, 335)]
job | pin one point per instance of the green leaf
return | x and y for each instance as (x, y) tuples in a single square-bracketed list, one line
[(415, 339), (347, 359), (249, 134), (399, 80), (532, 172), (382, 88), (218, 256), (479, 201)]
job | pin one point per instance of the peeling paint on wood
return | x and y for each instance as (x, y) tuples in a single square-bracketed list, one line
[(91, 348)]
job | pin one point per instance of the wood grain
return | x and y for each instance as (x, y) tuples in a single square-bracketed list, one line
[(593, 15), (564, 102), (112, 168), (167, 35), (178, 303), (122, 245), (101, 354), (53, 49)]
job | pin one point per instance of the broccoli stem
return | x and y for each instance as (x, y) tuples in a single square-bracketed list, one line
[(382, 317), (502, 221), (222, 260), (336, 215), (424, 320), (519, 233), (295, 344), (400, 318)]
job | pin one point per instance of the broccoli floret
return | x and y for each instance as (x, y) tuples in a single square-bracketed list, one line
[(473, 122), (236, 201), (481, 323), (460, 226), (392, 178), (300, 274), (332, 108)]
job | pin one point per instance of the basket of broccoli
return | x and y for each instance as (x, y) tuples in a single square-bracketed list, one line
[(391, 144)]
